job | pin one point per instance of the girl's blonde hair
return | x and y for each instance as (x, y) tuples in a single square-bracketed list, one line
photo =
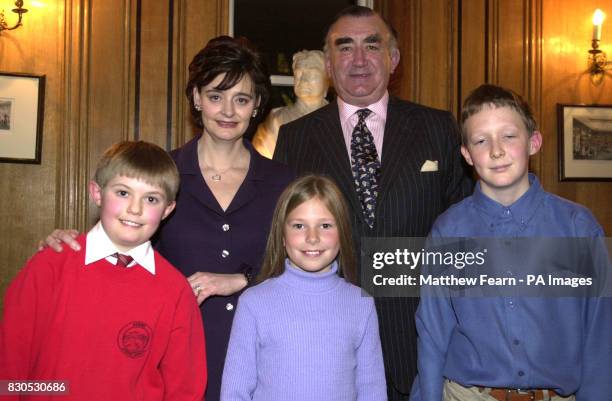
[(299, 191)]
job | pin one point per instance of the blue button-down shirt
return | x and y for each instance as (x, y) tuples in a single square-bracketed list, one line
[(563, 344)]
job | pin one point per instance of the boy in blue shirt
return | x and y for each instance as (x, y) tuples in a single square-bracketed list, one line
[(511, 348)]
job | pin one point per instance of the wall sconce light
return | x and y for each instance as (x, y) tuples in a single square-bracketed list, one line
[(19, 10), (598, 63)]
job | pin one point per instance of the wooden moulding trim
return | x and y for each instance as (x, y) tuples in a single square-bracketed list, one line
[(177, 67), (128, 87), (73, 164), (492, 37), (535, 73), (223, 16), (415, 26), (453, 31), (135, 67)]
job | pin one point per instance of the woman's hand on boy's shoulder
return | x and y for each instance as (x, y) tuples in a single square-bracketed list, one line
[(59, 237)]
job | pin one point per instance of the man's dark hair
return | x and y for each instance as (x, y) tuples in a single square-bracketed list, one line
[(356, 11)]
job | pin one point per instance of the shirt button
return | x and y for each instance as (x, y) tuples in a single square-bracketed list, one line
[(229, 306), (225, 253), (521, 373), (516, 342), (225, 227)]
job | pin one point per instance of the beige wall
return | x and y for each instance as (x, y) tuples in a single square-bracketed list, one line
[(114, 69)]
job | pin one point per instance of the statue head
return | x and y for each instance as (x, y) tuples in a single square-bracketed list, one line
[(310, 77)]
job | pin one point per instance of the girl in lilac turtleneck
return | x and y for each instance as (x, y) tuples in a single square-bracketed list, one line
[(305, 332)]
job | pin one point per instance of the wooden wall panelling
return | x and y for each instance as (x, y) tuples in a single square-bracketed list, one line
[(472, 47), (152, 67), (99, 97), (491, 40), (495, 44), (28, 196), (512, 58), (435, 46), (510, 42), (178, 33), (131, 76), (533, 83), (190, 19), (566, 35), (500, 45), (72, 171), (399, 13), (427, 32), (454, 85), (116, 69), (412, 30), (539, 49), (198, 22), (223, 15), (126, 68), (110, 78)]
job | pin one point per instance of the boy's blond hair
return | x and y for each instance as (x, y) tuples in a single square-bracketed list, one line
[(141, 160), (496, 96)]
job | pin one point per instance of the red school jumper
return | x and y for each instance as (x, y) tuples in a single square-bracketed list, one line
[(113, 333)]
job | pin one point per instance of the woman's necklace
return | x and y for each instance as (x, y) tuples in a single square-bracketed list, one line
[(217, 176)]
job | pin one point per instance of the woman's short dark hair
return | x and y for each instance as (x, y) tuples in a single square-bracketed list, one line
[(234, 58)]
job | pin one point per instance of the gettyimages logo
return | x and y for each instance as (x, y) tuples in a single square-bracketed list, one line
[(476, 267)]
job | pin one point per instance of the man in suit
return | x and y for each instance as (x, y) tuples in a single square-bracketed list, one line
[(397, 163)]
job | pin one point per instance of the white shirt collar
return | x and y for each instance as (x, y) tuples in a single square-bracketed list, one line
[(99, 246)]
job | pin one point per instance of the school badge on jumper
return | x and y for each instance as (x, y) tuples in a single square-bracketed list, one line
[(134, 339)]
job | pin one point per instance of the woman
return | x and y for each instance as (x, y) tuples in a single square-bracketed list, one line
[(228, 191), (218, 231)]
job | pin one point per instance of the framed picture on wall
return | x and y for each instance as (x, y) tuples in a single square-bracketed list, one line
[(585, 142), (22, 99)]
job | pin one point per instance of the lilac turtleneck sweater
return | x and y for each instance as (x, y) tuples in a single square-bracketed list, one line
[(304, 337)]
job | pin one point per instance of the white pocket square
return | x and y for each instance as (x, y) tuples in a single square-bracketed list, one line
[(429, 165)]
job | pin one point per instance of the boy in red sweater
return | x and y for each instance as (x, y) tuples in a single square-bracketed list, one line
[(114, 321)]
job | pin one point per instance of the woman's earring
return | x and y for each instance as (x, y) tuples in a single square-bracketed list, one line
[(254, 113), (198, 107)]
